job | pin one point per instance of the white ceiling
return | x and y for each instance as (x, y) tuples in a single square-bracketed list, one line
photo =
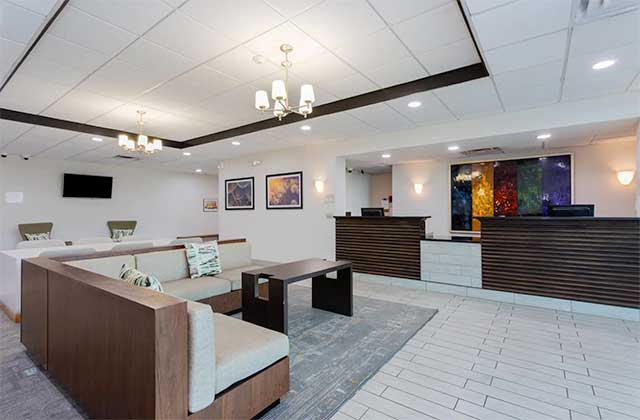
[(521, 143), (188, 64)]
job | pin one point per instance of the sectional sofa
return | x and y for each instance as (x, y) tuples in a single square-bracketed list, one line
[(123, 351)]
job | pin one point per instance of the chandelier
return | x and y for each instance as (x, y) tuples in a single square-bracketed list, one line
[(142, 144), (280, 94)]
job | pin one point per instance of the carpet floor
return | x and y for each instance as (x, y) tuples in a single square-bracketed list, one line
[(331, 356)]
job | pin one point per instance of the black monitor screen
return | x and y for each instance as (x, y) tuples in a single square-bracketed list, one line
[(574, 210), (87, 186), (372, 211)]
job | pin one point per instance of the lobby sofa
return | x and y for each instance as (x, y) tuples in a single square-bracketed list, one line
[(123, 351)]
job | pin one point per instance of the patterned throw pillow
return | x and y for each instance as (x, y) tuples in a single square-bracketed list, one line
[(138, 278), (118, 234), (204, 259), (45, 236)]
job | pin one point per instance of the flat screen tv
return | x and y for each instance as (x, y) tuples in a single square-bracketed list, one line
[(87, 186)]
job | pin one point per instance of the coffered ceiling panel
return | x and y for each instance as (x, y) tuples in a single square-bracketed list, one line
[(18, 23), (397, 11), (69, 54), (28, 94), (73, 146), (431, 109), (448, 57), (471, 99), (10, 130), (36, 140)]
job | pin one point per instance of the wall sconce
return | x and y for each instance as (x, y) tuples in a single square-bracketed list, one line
[(319, 184), (625, 177), (417, 188)]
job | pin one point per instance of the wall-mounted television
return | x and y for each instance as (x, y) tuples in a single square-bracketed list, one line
[(87, 186)]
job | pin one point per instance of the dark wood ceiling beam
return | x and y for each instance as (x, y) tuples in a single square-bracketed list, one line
[(23, 117)]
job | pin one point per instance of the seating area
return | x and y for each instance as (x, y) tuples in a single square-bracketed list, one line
[(320, 209)]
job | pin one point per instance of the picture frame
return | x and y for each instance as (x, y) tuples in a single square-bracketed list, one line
[(209, 205), (239, 193), (284, 191)]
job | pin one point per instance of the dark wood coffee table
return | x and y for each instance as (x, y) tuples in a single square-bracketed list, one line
[(334, 295)]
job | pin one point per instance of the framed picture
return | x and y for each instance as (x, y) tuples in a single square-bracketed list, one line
[(284, 191), (238, 194), (209, 204)]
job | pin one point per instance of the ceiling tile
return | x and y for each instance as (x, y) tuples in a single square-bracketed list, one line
[(399, 10), (471, 99), (81, 106), (290, 8), (396, 72), (120, 80), (239, 20), (334, 22), (520, 20), (42, 7), (9, 130), (185, 36), (156, 60), (10, 51), (636, 83), (237, 102), (373, 50), (31, 95), (134, 16), (239, 63), (44, 69), (450, 57), (73, 55), (382, 117), (527, 53), (18, 24), (268, 44), (525, 96), (37, 140), (68, 148), (79, 27), (543, 74), (431, 109), (322, 67), (125, 117), (477, 6), (353, 85), (436, 28), (607, 33)]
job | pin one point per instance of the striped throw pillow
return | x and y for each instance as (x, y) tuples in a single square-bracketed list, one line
[(45, 236), (203, 259), (137, 278), (118, 234)]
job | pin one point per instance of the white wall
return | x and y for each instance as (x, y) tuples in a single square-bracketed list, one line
[(595, 181), (165, 204), (358, 188)]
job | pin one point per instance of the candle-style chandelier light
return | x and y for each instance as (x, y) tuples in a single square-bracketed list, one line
[(142, 143)]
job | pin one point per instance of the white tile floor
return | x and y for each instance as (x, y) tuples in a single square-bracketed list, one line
[(486, 360)]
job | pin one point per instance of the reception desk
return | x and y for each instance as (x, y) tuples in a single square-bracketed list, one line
[(589, 259), (385, 246)]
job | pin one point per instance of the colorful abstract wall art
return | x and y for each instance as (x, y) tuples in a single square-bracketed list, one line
[(517, 187)]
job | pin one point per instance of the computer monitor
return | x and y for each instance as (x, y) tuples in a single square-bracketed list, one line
[(372, 211), (573, 210)]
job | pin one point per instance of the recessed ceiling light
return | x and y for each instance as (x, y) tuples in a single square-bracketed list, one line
[(414, 104), (603, 64), (544, 136), (305, 128), (96, 139), (386, 155), (198, 170), (186, 153), (235, 143), (258, 59), (452, 148)]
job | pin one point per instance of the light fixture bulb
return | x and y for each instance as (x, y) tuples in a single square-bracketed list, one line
[(453, 148), (417, 188), (307, 95), (186, 153), (262, 100), (123, 140), (157, 145), (414, 104), (601, 65), (319, 184), (148, 148), (278, 90), (278, 109), (235, 143), (625, 177), (305, 128), (143, 141), (131, 145), (386, 155), (97, 139), (198, 170), (544, 136)]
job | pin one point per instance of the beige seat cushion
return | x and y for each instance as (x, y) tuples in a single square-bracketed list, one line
[(164, 265), (197, 289), (243, 349), (235, 255), (109, 266), (235, 276), (201, 349)]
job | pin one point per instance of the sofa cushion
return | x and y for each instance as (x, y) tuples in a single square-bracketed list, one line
[(243, 349), (201, 351), (109, 266), (235, 276), (197, 289), (164, 265), (203, 259), (235, 255), (130, 275)]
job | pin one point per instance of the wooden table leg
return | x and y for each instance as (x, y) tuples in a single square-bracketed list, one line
[(271, 312), (333, 295), (278, 306)]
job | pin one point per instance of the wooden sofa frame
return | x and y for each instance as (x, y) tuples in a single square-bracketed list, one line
[(121, 351)]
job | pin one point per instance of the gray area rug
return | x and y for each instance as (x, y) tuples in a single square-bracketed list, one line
[(331, 357)]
